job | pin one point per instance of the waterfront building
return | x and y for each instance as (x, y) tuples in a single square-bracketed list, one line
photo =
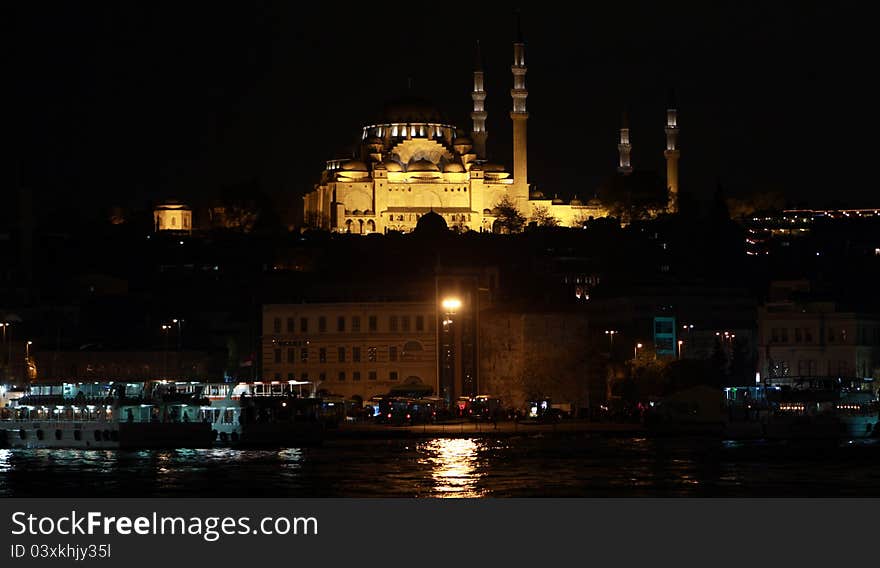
[(816, 339), (352, 349), (528, 355)]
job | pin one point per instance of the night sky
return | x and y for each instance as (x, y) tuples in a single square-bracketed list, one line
[(125, 103)]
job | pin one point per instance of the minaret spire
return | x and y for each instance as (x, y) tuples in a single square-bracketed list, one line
[(479, 133), (672, 153), (519, 115), (624, 147)]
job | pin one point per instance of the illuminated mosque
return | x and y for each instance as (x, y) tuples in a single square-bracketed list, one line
[(411, 162)]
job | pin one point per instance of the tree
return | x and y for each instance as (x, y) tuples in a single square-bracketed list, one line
[(509, 219), (543, 218)]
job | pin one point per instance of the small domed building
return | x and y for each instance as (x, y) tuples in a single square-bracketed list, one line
[(172, 216)]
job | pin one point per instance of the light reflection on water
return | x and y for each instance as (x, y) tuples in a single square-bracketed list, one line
[(453, 463), (4, 460), (586, 466)]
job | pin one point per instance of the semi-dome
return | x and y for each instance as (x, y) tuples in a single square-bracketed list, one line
[(392, 166), (453, 168), (493, 168), (422, 165), (431, 223), (354, 166), (410, 109)]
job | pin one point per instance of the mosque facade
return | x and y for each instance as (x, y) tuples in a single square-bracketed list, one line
[(411, 162)]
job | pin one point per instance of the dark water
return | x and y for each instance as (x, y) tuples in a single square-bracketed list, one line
[(516, 467)]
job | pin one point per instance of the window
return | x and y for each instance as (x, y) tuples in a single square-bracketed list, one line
[(420, 323), (392, 323), (304, 355), (291, 355), (276, 325), (304, 325), (341, 376), (340, 323), (371, 354), (356, 376), (372, 375), (356, 324), (322, 355), (322, 324), (404, 321), (291, 325), (356, 354), (277, 355), (392, 353), (340, 354), (392, 375), (372, 323)]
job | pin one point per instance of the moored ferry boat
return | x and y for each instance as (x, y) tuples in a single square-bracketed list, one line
[(807, 408), (261, 413), (103, 416)]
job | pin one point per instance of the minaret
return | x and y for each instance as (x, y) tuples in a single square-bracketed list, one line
[(518, 115), (479, 133), (672, 154), (624, 148)]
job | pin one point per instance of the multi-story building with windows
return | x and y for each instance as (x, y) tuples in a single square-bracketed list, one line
[(351, 349), (817, 339)]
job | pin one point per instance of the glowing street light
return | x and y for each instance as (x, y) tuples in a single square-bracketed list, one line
[(178, 322), (165, 329), (451, 305), (680, 347), (27, 360), (636, 350), (611, 333)]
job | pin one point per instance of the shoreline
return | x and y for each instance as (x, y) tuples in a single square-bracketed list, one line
[(481, 429)]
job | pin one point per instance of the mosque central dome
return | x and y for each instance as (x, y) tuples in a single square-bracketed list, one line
[(411, 109)]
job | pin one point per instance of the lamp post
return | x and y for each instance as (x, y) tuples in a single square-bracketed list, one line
[(680, 347), (450, 306), (611, 333), (27, 361), (165, 328), (179, 322), (4, 325), (636, 350)]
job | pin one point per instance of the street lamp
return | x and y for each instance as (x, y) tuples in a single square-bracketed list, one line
[(680, 347), (450, 305), (27, 360), (165, 328), (179, 322), (611, 333), (636, 350)]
